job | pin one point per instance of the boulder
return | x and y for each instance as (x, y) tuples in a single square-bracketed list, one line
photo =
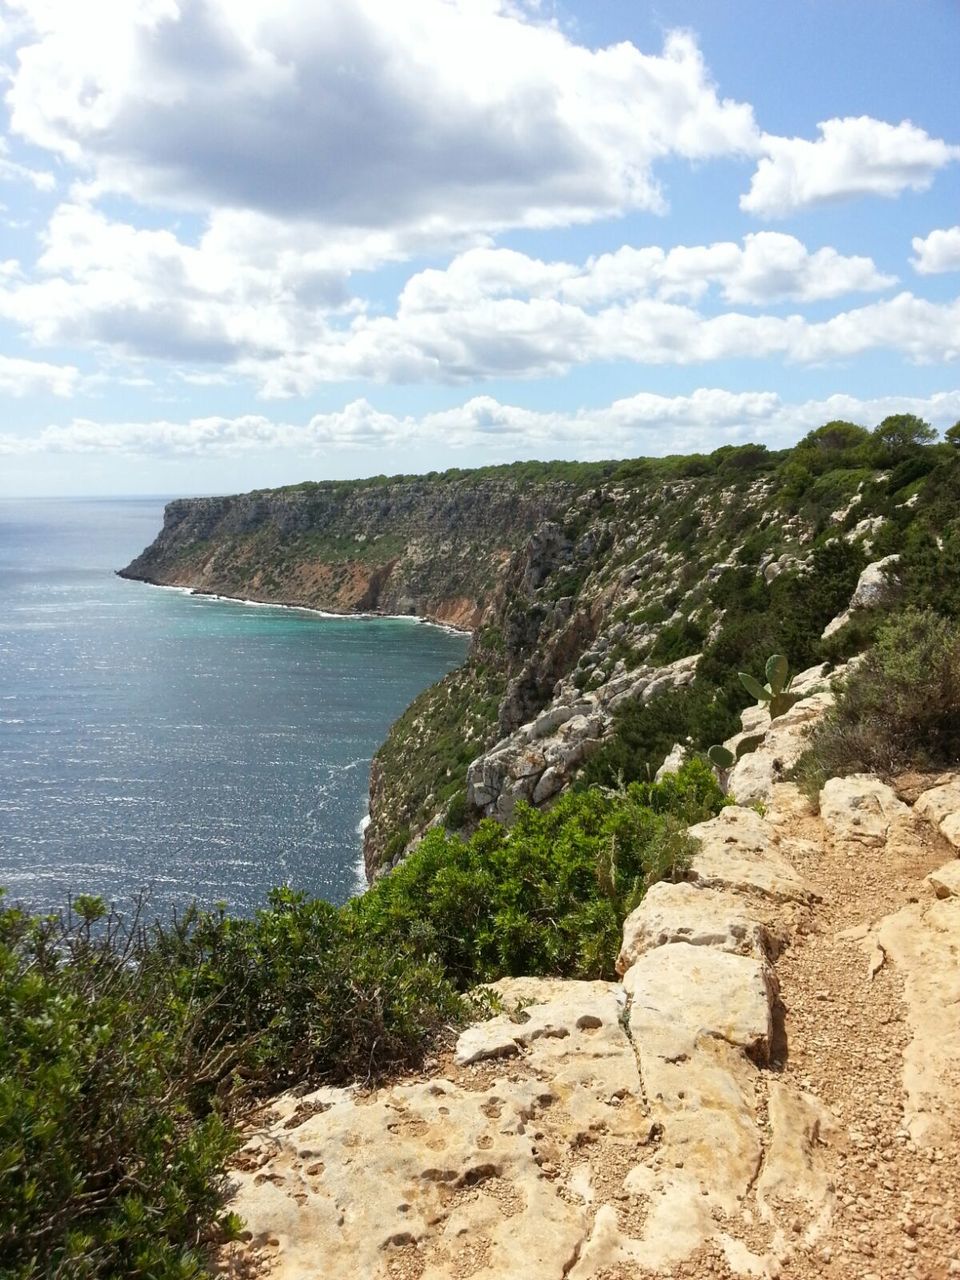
[(685, 913), (680, 993), (860, 809), (945, 881), (741, 852), (941, 806)]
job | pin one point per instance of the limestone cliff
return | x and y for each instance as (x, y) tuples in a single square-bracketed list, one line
[(409, 546), (611, 604)]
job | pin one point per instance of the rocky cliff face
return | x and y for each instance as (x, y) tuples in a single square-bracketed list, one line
[(608, 602), (405, 547)]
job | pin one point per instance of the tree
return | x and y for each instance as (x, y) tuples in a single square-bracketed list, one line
[(952, 435), (835, 436), (902, 433)]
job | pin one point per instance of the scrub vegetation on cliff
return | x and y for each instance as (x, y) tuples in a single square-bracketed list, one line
[(612, 607), (128, 1047)]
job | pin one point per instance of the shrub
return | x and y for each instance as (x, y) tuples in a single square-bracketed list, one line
[(546, 896), (900, 707), (644, 732), (110, 1165)]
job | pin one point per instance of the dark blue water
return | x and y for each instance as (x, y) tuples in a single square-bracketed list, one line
[(197, 748)]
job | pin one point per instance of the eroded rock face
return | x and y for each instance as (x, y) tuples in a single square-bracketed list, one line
[(454, 1176), (538, 760), (755, 775), (740, 852), (871, 590), (923, 941), (702, 917)]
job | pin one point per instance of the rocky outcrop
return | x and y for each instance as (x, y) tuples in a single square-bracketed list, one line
[(940, 805), (750, 1100), (871, 590), (538, 760), (590, 1126), (860, 809)]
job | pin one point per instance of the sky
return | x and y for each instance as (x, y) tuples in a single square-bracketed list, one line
[(254, 242)]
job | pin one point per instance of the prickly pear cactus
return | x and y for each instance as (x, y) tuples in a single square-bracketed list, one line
[(778, 698)]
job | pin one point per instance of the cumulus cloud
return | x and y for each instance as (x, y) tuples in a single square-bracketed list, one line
[(768, 267), (854, 156), (145, 293), (427, 119), (939, 251), (12, 171), (281, 315), (641, 424), (547, 336), (32, 377)]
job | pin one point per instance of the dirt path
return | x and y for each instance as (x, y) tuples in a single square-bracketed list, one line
[(897, 1207)]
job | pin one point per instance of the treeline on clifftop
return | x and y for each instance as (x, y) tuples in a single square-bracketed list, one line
[(130, 1047)]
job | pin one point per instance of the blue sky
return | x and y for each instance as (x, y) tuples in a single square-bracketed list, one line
[(248, 242)]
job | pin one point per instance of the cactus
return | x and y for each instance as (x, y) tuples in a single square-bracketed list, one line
[(775, 693), (721, 757)]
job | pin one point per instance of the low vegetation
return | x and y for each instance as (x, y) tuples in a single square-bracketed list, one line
[(899, 709), (127, 1048)]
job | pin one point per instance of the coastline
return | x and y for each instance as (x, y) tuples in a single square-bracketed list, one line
[(414, 618)]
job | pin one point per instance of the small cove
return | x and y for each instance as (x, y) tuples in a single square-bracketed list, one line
[(189, 745)]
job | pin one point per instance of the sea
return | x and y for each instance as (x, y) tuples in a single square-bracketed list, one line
[(178, 746)]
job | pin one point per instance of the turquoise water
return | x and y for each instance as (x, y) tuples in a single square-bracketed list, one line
[(195, 748)]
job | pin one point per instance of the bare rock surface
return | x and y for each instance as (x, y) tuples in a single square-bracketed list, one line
[(732, 1108), (684, 913), (941, 806), (860, 809), (741, 852), (872, 589)]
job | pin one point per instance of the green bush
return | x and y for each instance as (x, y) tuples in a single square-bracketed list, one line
[(111, 1155), (546, 896), (645, 732), (900, 708)]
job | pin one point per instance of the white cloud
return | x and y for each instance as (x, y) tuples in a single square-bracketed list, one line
[(939, 251), (280, 314), (854, 156), (641, 424), (32, 377), (545, 337), (12, 171), (416, 122), (144, 293), (769, 267)]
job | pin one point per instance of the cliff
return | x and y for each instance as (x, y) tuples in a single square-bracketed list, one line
[(405, 546), (611, 603)]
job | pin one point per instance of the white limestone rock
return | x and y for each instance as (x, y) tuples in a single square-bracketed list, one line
[(871, 589), (741, 852), (941, 807), (702, 917), (860, 809)]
